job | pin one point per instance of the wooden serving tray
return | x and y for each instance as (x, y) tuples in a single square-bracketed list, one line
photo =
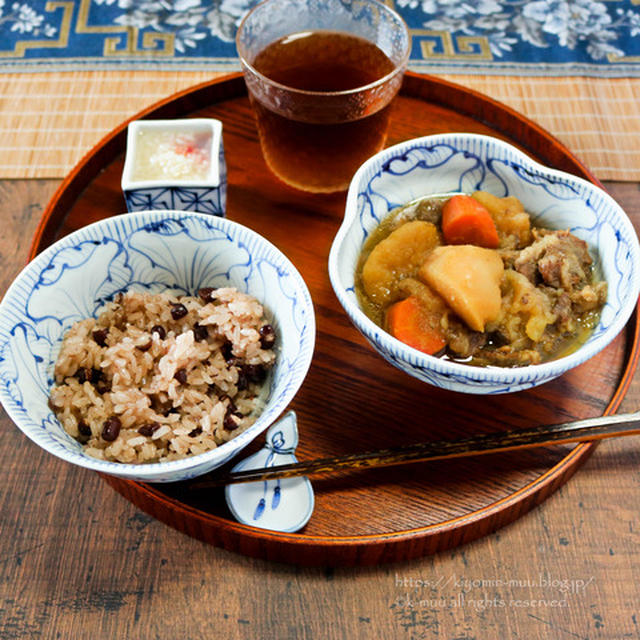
[(351, 399)]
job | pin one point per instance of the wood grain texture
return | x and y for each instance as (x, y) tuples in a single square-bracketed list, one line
[(383, 515), (79, 561), (591, 429)]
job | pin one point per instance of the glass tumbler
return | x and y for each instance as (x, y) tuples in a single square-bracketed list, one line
[(321, 76)]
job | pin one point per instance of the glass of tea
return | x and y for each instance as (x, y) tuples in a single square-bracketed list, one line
[(321, 76)]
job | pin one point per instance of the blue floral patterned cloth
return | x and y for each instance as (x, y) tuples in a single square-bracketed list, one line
[(526, 37)]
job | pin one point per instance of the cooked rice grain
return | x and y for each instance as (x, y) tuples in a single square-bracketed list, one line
[(180, 381)]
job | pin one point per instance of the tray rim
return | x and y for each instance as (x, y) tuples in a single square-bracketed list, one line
[(377, 546)]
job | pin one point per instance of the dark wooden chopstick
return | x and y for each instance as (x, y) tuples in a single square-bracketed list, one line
[(568, 432)]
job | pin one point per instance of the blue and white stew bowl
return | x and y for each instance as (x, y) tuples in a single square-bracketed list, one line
[(151, 251), (464, 163)]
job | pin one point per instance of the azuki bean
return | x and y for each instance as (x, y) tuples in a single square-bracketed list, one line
[(83, 428), (148, 429), (242, 380), (162, 334), (231, 421), (200, 332), (267, 336), (86, 374), (100, 336), (205, 293), (103, 386), (231, 405), (111, 428), (226, 350), (144, 347), (181, 376), (254, 372), (178, 311)]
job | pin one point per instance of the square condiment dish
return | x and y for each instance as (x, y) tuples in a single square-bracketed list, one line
[(175, 165)]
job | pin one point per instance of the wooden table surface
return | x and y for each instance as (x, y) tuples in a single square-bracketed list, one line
[(79, 561)]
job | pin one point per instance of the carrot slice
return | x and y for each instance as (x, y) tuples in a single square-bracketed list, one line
[(408, 322), (466, 221)]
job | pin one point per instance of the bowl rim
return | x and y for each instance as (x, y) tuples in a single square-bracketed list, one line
[(148, 471), (517, 376)]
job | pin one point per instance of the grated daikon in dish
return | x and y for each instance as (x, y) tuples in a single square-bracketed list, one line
[(167, 154)]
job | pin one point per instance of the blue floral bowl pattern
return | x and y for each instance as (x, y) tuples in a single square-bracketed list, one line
[(464, 163), (149, 251), (211, 200)]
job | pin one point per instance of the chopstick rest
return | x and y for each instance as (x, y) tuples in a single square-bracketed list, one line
[(279, 504)]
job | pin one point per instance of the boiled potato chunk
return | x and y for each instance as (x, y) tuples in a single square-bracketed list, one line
[(468, 278), (511, 220), (399, 255)]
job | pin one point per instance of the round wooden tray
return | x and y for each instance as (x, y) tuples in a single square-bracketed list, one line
[(351, 399)]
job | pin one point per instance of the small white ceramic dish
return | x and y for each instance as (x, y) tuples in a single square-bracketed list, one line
[(464, 163), (147, 251), (165, 166)]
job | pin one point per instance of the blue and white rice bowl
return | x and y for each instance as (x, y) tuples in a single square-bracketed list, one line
[(464, 162), (153, 251)]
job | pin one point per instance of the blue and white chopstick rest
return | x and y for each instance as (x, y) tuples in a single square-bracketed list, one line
[(279, 505)]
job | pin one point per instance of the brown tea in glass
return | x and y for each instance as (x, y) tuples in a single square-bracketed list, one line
[(321, 96), (321, 151)]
